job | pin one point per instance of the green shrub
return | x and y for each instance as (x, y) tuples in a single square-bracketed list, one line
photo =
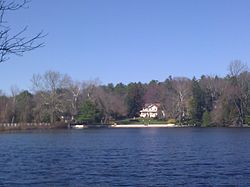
[(206, 120), (247, 119)]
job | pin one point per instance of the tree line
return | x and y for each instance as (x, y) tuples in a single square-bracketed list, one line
[(207, 101)]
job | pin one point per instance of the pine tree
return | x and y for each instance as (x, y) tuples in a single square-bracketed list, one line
[(206, 120), (197, 103), (88, 112), (135, 100)]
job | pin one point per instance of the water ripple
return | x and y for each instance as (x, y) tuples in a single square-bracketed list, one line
[(126, 157)]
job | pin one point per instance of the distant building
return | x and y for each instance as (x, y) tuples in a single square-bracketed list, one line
[(150, 111)]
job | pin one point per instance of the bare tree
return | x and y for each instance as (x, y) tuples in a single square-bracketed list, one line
[(112, 105), (51, 88), (14, 92), (182, 87), (213, 87), (240, 85), (241, 95), (15, 43), (237, 67), (153, 93), (5, 108), (74, 95)]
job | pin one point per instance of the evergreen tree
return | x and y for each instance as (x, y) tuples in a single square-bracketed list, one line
[(88, 112), (24, 105), (135, 100), (197, 103)]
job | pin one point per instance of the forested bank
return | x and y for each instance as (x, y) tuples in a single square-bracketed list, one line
[(203, 101)]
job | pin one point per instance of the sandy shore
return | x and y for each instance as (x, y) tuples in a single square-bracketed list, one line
[(143, 126)]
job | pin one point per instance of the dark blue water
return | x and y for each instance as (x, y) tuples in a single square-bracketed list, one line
[(126, 157)]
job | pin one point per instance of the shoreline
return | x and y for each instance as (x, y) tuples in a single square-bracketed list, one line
[(145, 126), (30, 126), (47, 126)]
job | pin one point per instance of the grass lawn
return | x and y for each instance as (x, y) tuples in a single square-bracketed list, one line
[(141, 121)]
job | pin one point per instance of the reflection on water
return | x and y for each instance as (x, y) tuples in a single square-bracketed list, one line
[(126, 157)]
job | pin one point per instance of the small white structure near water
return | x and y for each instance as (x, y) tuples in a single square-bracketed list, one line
[(150, 111)]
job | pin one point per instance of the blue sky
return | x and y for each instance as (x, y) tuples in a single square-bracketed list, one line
[(130, 40)]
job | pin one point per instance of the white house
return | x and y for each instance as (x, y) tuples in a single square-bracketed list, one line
[(150, 111)]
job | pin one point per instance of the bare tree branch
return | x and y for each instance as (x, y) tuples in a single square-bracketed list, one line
[(237, 67), (18, 43)]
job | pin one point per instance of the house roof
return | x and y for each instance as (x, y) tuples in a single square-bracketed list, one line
[(148, 106), (151, 104)]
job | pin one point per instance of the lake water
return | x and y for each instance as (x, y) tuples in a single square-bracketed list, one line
[(126, 157)]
